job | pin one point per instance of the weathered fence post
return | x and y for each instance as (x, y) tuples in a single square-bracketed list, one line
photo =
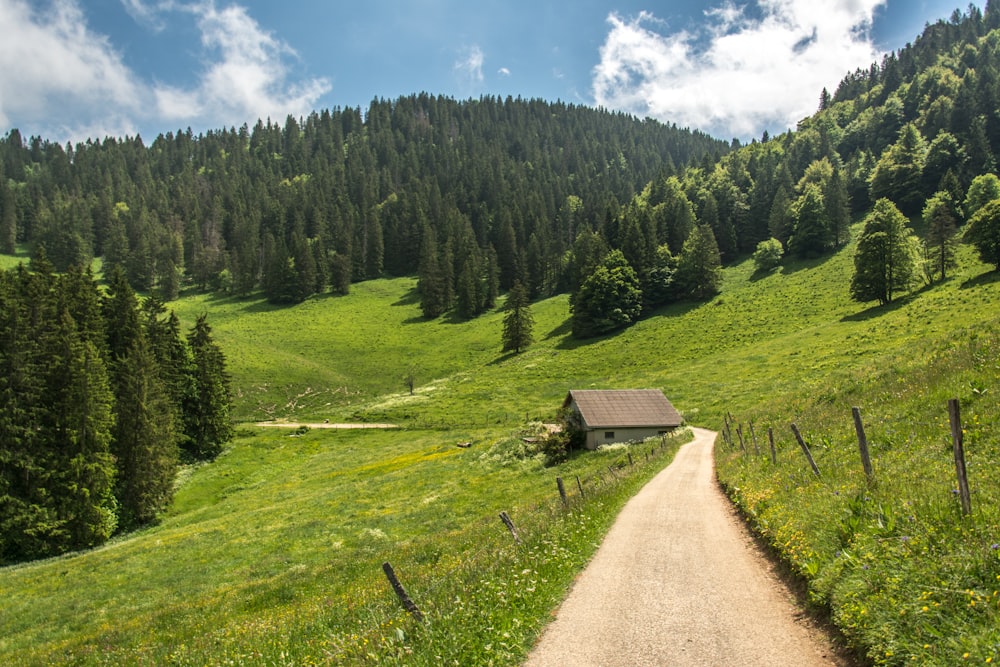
[(774, 452), (753, 436), (805, 449), (579, 485), (562, 490), (866, 459), (958, 447), (630, 464), (408, 604), (510, 526), (739, 432)]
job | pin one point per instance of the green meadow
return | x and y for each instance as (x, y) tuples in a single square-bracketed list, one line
[(273, 553)]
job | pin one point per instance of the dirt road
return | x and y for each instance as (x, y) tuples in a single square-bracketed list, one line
[(679, 581)]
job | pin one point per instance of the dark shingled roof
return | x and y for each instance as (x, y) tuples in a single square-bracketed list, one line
[(638, 408)]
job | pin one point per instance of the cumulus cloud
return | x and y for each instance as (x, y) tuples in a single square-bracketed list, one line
[(60, 79), (739, 74), (503, 71), (52, 66), (470, 66), (246, 75)]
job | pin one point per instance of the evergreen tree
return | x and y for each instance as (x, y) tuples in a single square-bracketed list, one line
[(206, 416), (518, 322), (939, 219), (699, 269), (898, 173), (431, 283), (885, 260), (8, 219), (145, 441)]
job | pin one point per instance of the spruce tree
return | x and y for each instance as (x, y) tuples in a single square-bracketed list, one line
[(145, 440), (699, 269), (206, 416), (518, 322)]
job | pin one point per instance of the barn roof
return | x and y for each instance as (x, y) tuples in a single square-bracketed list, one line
[(602, 408)]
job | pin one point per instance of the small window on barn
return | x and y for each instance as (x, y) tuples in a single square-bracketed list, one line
[(609, 435)]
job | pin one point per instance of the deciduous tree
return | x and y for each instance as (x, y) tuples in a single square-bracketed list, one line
[(885, 260)]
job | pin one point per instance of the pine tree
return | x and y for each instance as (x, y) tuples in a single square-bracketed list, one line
[(518, 322), (145, 441), (206, 417), (699, 269), (8, 219)]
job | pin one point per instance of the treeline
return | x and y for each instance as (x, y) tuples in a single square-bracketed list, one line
[(100, 398), (916, 130), (493, 187)]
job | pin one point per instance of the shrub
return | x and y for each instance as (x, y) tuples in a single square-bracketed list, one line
[(768, 255)]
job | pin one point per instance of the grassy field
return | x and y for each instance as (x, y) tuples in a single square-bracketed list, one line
[(272, 554)]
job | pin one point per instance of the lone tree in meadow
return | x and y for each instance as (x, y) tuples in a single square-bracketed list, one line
[(886, 258), (518, 322), (984, 233)]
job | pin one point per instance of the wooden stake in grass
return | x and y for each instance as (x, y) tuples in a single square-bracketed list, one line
[(774, 452), (958, 447), (510, 526), (753, 436), (408, 604), (805, 449), (739, 432), (866, 460), (579, 485), (562, 490)]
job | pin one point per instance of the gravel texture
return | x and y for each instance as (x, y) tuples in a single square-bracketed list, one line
[(679, 581)]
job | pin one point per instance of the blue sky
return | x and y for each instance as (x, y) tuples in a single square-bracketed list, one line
[(70, 69)]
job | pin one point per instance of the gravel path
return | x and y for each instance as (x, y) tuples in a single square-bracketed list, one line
[(679, 581)]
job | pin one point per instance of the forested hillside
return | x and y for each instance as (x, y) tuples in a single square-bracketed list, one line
[(495, 188)]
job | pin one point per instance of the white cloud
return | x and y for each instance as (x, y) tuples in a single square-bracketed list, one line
[(470, 66), (245, 76), (738, 75), (61, 80), (52, 66), (503, 71)]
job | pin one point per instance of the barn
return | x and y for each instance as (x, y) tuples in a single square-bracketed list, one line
[(620, 415)]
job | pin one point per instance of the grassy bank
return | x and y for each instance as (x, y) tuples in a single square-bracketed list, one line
[(273, 555)]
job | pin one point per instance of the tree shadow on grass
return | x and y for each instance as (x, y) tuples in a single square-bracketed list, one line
[(411, 298), (987, 278), (879, 310)]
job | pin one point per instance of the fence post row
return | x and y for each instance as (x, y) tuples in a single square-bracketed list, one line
[(958, 448), (805, 449)]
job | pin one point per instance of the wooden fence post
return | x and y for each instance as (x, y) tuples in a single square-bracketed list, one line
[(866, 459), (408, 604), (805, 449), (562, 490), (958, 447), (739, 432), (510, 526), (630, 464), (774, 452), (579, 485), (753, 436)]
